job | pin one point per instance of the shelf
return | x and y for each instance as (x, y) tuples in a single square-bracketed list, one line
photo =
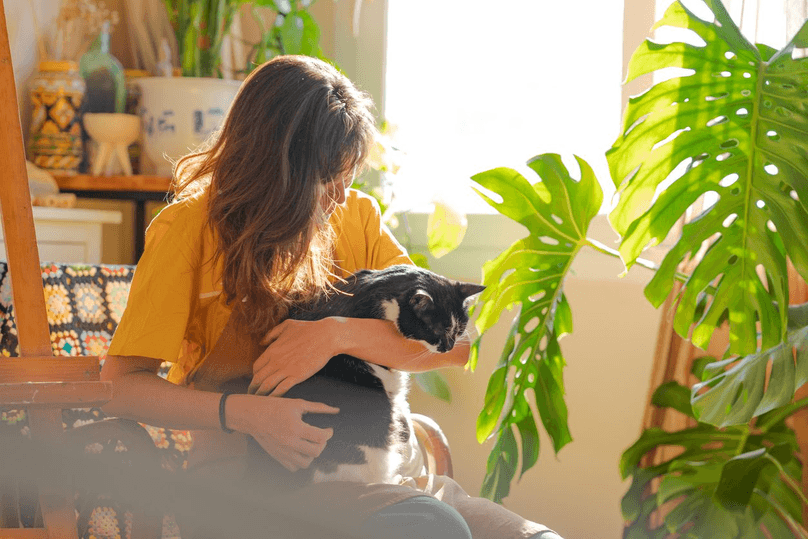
[(137, 183), (42, 213)]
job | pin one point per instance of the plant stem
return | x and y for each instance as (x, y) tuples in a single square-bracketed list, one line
[(795, 526), (782, 414), (790, 482), (601, 248), (742, 443)]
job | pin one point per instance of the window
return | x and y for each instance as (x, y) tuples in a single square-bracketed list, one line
[(472, 85)]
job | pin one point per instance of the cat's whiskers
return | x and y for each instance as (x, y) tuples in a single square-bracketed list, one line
[(468, 335), (417, 357)]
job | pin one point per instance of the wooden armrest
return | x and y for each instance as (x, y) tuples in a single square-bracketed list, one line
[(436, 447), (59, 395)]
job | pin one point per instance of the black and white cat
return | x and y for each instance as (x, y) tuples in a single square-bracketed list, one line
[(372, 429)]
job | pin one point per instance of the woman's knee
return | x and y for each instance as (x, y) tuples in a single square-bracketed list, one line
[(418, 517)]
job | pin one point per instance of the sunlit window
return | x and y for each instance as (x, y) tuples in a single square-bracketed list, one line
[(472, 85)]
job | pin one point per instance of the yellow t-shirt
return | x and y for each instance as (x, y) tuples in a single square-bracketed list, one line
[(176, 311)]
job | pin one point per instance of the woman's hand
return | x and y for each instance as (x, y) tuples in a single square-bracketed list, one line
[(277, 424), (296, 350)]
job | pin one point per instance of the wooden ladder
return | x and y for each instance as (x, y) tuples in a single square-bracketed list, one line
[(36, 381)]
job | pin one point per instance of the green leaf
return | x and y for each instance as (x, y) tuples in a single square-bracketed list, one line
[(690, 476), (501, 467), (434, 383), (530, 442), (737, 125), (673, 395), (494, 401), (631, 504), (549, 390), (706, 490), (445, 229), (556, 210), (739, 476), (310, 39), (292, 33), (420, 260), (692, 440), (741, 392), (797, 316)]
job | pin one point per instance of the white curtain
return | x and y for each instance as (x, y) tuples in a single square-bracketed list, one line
[(772, 22)]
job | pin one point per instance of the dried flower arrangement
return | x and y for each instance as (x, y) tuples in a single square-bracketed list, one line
[(78, 23)]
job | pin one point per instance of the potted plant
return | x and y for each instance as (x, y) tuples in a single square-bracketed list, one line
[(178, 114), (202, 26), (733, 124)]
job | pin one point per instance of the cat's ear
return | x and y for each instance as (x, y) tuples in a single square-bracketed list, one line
[(470, 289), (420, 301)]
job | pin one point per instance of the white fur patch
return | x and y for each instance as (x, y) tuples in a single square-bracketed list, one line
[(391, 310), (381, 467), (396, 383), (431, 347)]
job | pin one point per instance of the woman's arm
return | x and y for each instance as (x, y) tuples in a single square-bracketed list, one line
[(297, 349), (277, 424)]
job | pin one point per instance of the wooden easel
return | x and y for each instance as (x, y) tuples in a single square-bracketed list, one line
[(37, 381)]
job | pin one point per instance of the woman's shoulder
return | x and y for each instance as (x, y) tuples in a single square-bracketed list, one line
[(355, 213), (360, 202), (181, 218)]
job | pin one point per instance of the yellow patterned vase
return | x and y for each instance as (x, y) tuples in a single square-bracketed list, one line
[(57, 92)]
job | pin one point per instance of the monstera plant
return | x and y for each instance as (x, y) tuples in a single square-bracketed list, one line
[(730, 133)]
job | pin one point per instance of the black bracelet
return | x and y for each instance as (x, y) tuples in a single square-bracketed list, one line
[(222, 420)]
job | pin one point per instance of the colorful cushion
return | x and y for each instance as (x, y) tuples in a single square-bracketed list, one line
[(84, 305)]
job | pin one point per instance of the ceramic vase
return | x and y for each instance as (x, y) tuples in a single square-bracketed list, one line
[(57, 92), (179, 114)]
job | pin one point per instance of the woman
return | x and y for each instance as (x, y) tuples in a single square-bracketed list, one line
[(261, 218)]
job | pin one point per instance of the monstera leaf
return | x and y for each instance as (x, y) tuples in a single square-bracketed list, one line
[(529, 274), (736, 390), (737, 124), (724, 483)]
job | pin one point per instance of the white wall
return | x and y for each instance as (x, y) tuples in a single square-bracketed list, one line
[(609, 357)]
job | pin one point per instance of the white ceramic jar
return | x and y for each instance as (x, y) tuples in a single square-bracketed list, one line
[(179, 113)]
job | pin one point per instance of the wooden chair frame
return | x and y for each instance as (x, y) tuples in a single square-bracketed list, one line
[(36, 381)]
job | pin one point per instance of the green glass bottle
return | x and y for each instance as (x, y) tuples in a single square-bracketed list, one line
[(103, 73)]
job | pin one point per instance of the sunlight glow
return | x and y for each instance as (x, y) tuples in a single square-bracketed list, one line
[(496, 86)]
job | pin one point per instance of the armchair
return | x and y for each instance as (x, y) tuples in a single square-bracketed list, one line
[(84, 304)]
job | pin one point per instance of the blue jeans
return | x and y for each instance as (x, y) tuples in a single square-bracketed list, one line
[(422, 517)]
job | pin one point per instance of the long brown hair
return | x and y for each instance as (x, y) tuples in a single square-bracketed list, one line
[(295, 125)]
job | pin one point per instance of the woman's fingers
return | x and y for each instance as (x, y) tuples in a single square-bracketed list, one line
[(265, 386), (317, 435), (311, 407), (311, 449), (301, 461), (285, 385), (273, 334)]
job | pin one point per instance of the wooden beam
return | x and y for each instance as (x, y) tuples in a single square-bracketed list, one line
[(58, 395), (80, 182), (24, 533), (18, 220), (15, 370)]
